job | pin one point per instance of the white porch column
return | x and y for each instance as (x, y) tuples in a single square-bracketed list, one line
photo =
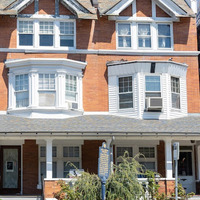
[(49, 163), (168, 159), (198, 159)]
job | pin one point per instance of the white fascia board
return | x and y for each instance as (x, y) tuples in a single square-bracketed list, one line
[(172, 7), (22, 5), (45, 61), (119, 7), (143, 19)]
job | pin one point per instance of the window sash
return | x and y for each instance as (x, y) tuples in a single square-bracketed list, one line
[(152, 83), (164, 36), (175, 92), (144, 35), (46, 81), (71, 151), (71, 88), (121, 151), (124, 35)]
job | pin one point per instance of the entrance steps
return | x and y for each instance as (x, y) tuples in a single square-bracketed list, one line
[(196, 197), (24, 197)]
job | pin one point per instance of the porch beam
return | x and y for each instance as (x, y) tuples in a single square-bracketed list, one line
[(49, 163), (168, 159)]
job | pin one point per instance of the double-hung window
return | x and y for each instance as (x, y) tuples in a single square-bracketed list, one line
[(47, 93), (175, 92), (125, 92), (71, 88), (124, 35), (67, 34), (46, 33), (72, 154), (164, 36), (147, 158), (152, 84), (25, 33), (144, 36), (21, 90)]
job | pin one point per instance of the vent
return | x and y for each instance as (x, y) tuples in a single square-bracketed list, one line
[(153, 103), (72, 105)]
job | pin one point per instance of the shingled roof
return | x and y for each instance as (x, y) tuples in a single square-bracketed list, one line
[(6, 7), (100, 124)]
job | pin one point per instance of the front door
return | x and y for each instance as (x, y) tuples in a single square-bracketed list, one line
[(10, 170), (186, 173)]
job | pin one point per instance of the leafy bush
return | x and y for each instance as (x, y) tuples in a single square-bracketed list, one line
[(123, 183)]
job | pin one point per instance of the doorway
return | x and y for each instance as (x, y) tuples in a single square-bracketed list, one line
[(10, 170)]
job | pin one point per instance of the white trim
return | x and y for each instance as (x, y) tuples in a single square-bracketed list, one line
[(102, 52), (119, 7), (45, 61), (3, 112), (23, 4)]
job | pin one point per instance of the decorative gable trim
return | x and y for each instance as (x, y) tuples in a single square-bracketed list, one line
[(73, 6), (167, 5)]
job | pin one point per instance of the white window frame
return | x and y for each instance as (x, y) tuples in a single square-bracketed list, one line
[(171, 36), (174, 92), (118, 159), (154, 34), (152, 91), (36, 32), (150, 26), (121, 109)]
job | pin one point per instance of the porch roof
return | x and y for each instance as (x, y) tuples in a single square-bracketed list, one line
[(100, 124)]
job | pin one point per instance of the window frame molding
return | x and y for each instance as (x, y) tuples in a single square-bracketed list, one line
[(172, 108), (36, 19), (154, 34), (133, 82)]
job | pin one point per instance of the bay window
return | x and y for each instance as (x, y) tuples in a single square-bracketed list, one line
[(21, 90), (47, 93), (125, 92), (175, 92), (135, 35)]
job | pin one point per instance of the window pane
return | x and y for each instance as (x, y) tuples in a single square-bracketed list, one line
[(124, 29), (22, 99), (125, 84), (25, 39), (67, 28), (67, 166), (67, 41), (164, 30), (149, 166), (185, 164), (124, 41), (164, 42), (144, 29), (26, 27), (152, 83), (47, 98), (175, 89), (46, 40), (42, 151), (144, 42), (43, 169), (46, 27), (121, 151), (175, 100), (71, 88), (72, 151), (148, 152), (126, 100)]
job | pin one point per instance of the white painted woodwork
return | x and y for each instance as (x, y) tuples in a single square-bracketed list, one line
[(49, 160), (138, 70), (168, 159)]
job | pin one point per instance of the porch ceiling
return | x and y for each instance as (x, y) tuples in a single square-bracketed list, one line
[(100, 124)]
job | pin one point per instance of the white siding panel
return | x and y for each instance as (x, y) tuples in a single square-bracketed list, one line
[(113, 97)]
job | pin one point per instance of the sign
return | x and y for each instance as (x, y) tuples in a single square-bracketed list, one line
[(104, 162), (176, 150)]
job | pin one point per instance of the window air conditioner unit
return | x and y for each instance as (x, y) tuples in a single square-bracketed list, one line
[(72, 105), (153, 103)]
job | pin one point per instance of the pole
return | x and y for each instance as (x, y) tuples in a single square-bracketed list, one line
[(176, 179), (103, 188)]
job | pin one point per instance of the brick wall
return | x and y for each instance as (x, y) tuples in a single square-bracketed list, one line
[(90, 154), (30, 167), (144, 8), (50, 188), (161, 158), (166, 187), (160, 12), (47, 7)]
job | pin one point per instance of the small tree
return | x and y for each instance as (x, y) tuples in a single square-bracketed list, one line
[(123, 183)]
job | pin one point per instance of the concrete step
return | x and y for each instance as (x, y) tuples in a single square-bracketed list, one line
[(9, 197), (196, 197)]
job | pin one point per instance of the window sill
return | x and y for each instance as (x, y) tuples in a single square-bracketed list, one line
[(46, 48), (45, 112)]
